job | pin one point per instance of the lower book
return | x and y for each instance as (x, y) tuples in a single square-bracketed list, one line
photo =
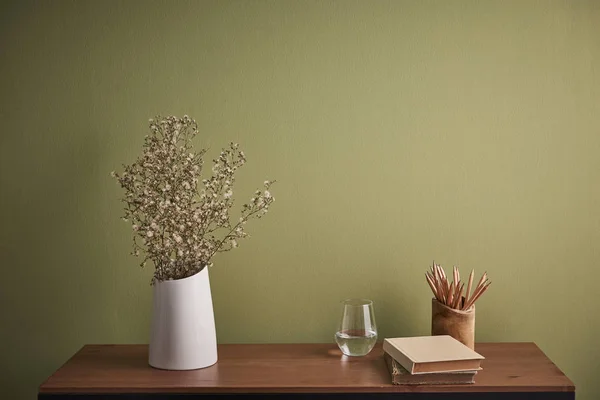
[(400, 376)]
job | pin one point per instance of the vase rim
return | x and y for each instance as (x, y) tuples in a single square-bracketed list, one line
[(182, 280), (357, 302), (468, 311)]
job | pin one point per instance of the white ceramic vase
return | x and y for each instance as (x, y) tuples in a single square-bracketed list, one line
[(183, 334)]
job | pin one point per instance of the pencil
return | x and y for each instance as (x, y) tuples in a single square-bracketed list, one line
[(442, 272), (478, 295), (478, 292), (436, 274), (446, 288), (469, 287), (455, 274), (458, 296), (432, 286), (483, 278), (451, 295)]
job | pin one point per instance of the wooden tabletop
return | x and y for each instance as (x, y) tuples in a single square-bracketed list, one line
[(292, 368)]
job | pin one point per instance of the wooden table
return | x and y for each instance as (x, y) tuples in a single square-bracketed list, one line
[(297, 371)]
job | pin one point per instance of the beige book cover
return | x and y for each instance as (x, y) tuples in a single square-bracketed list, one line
[(432, 354)]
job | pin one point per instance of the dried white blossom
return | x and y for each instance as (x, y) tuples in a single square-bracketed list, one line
[(181, 220)]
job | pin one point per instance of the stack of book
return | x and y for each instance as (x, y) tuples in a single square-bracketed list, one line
[(430, 360)]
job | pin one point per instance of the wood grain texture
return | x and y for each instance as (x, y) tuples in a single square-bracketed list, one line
[(457, 323), (293, 368)]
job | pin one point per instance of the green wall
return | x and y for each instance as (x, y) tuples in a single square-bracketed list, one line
[(399, 132)]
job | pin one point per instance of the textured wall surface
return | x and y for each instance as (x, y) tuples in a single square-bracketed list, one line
[(399, 132)]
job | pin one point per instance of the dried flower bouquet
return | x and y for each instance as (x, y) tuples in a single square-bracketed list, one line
[(179, 221)]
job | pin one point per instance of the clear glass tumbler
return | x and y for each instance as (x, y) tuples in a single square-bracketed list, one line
[(357, 332)]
